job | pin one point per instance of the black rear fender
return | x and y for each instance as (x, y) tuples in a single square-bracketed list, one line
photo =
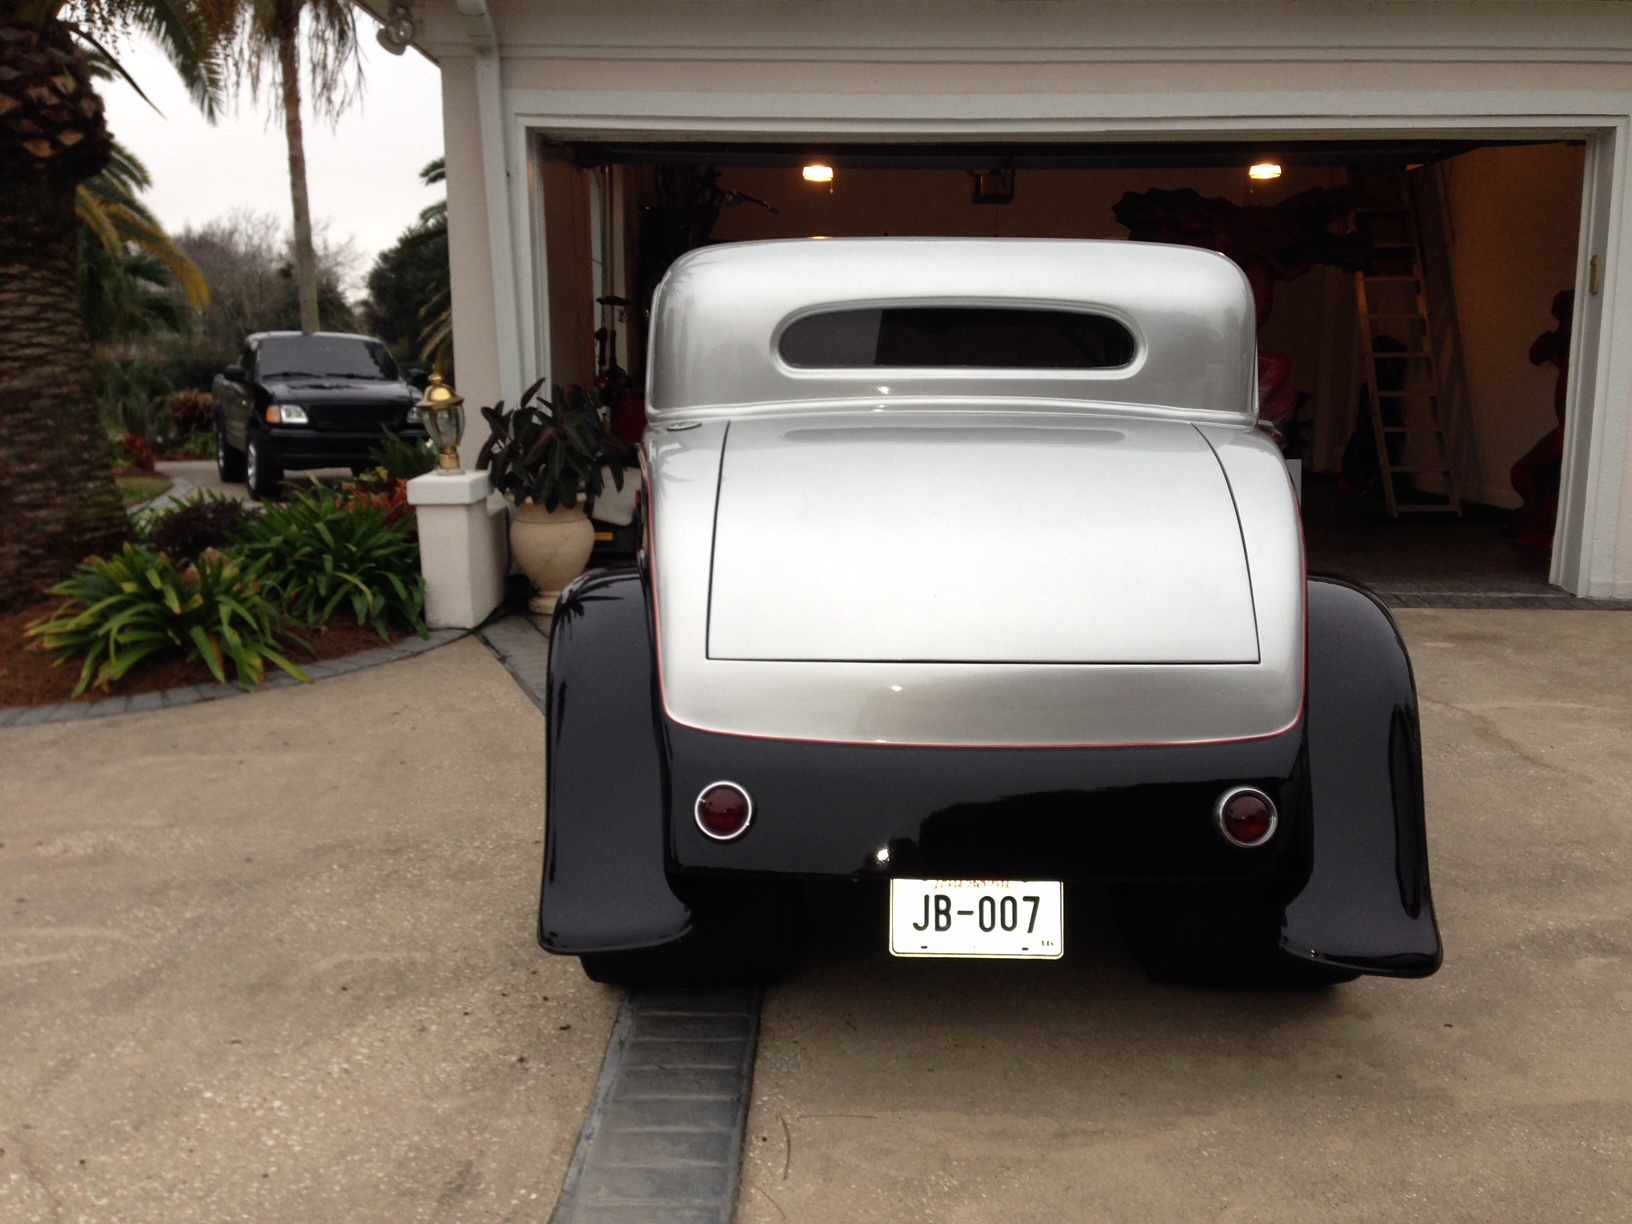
[(605, 888), (1367, 904)]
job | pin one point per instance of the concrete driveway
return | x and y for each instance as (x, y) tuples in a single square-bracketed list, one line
[(191, 475), (1501, 1089), (273, 959)]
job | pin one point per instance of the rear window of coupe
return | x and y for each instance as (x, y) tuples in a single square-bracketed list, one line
[(969, 337)]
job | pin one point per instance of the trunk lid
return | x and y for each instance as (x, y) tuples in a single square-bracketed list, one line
[(976, 538)]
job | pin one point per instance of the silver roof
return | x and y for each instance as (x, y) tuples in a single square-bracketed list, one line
[(720, 312)]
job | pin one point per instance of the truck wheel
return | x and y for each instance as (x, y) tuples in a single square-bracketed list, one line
[(229, 463), (742, 934), (1214, 935), (261, 475)]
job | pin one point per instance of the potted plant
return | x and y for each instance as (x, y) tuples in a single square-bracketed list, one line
[(548, 457)]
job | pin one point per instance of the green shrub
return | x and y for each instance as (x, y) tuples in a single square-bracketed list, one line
[(129, 393), (192, 361), (553, 450), (200, 445), (403, 459), (138, 605), (317, 553)]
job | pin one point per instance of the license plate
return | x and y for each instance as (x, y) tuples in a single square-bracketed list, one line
[(1008, 918)]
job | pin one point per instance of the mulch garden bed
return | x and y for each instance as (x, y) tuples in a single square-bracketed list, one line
[(28, 677)]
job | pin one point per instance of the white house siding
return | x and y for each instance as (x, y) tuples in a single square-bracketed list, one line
[(1047, 70)]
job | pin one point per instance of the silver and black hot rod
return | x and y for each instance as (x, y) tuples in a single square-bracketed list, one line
[(967, 568)]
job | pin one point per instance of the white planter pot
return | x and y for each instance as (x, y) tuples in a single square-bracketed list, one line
[(551, 547)]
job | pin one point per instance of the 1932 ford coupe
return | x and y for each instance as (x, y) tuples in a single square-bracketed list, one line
[(968, 570)]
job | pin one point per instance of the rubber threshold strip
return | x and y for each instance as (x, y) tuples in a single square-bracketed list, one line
[(663, 1140)]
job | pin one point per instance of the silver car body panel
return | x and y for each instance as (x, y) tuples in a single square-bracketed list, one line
[(992, 562), (720, 311), (886, 542)]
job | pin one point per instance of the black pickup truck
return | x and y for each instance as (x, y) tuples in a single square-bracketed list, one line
[(299, 401)]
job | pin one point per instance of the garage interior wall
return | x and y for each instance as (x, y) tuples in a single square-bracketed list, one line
[(1511, 222), (569, 269), (1507, 219)]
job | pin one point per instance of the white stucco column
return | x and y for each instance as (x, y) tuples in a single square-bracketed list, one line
[(462, 547)]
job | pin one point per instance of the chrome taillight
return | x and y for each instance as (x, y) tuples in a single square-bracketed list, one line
[(1245, 817), (724, 811)]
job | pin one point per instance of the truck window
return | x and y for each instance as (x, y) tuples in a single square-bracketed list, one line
[(325, 357)]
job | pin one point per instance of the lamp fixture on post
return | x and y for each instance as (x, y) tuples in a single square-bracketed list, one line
[(442, 410)]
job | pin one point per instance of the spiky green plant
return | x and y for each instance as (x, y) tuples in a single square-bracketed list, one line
[(319, 553), (399, 458), (138, 605)]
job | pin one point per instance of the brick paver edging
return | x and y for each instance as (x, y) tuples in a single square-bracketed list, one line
[(73, 711), (1556, 602)]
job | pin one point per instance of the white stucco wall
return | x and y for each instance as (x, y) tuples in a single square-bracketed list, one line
[(998, 70)]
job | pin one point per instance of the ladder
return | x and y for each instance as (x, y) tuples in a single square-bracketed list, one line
[(1400, 383)]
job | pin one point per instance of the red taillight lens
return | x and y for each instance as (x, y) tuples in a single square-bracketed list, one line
[(1245, 817), (724, 810)]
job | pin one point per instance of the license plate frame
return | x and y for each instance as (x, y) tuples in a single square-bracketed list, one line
[(975, 913)]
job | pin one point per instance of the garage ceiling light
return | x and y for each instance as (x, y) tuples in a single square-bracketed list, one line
[(1264, 171), (817, 173)]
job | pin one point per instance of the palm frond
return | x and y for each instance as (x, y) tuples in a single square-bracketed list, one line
[(191, 34), (88, 205), (436, 341), (144, 233), (108, 206)]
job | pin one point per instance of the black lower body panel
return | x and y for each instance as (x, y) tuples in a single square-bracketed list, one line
[(302, 449), (1344, 878), (1022, 813)]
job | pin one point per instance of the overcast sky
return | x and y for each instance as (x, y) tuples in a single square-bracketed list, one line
[(363, 175)]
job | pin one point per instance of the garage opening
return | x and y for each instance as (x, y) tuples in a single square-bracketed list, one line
[(1415, 300)]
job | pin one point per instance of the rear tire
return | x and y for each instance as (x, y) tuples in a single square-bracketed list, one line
[(229, 463), (261, 475), (743, 933), (1222, 935)]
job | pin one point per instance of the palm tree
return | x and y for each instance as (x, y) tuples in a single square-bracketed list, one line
[(269, 41), (57, 497)]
